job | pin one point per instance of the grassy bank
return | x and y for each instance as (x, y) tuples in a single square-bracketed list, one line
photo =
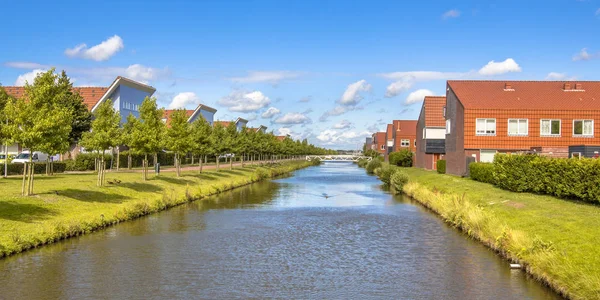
[(557, 241), (67, 205)]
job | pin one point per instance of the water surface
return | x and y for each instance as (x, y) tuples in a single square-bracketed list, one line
[(277, 239)]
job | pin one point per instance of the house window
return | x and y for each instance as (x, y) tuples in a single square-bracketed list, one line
[(550, 127), (448, 126), (583, 127), (518, 126), (485, 127), (415, 143), (404, 143), (382, 147)]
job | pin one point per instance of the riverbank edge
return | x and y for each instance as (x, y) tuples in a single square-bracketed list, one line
[(140, 208), (477, 223), (415, 191)]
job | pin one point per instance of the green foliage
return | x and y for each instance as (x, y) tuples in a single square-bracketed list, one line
[(105, 131), (441, 166), (402, 158), (179, 137), (483, 172), (40, 168), (362, 163), (316, 162), (564, 178), (372, 165), (371, 153), (385, 173), (398, 180), (85, 162)]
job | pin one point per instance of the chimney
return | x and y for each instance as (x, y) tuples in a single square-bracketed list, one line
[(578, 86), (507, 86), (567, 86)]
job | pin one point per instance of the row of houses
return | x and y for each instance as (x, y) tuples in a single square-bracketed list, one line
[(127, 96), (477, 119)]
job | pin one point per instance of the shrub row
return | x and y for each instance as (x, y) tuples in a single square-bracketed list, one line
[(483, 172), (441, 166), (39, 168), (372, 165), (403, 158), (564, 178)]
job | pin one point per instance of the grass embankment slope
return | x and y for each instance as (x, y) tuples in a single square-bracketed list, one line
[(557, 240), (67, 205)]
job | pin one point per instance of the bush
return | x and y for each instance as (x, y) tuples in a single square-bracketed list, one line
[(372, 165), (385, 173), (316, 161), (483, 172), (403, 158), (398, 180), (362, 162), (39, 168), (262, 173), (441, 166), (164, 159), (86, 162), (565, 178)]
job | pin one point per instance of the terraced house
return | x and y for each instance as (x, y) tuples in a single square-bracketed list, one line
[(431, 133), (379, 142), (488, 117), (202, 110)]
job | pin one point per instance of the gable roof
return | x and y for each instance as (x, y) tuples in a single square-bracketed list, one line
[(90, 95), (200, 108), (542, 95), (434, 111), (124, 81), (405, 127), (222, 123)]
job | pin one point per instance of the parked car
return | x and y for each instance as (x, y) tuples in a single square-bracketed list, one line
[(24, 157), (3, 158)]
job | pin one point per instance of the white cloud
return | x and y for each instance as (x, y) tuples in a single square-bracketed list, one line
[(397, 87), (141, 73), (453, 13), (100, 52), (269, 113), (418, 96), (242, 101), (583, 55), (559, 76), (343, 124), (184, 99), (336, 111), (28, 77), (305, 99), (342, 138), (497, 68), (293, 118), (25, 65), (352, 94), (272, 77), (284, 131), (421, 75), (251, 117)]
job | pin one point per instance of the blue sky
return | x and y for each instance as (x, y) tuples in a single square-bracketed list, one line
[(331, 71)]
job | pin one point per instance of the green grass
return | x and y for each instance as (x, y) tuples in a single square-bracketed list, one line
[(557, 240), (68, 205)]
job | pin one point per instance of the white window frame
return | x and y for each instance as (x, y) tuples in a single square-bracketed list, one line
[(551, 134), (518, 123), (382, 147), (448, 126), (405, 143), (582, 128), (486, 129)]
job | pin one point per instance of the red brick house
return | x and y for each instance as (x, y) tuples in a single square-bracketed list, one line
[(379, 142), (431, 133), (488, 117), (404, 135)]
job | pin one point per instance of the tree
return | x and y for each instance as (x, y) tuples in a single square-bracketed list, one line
[(179, 137), (38, 122), (229, 143), (4, 137), (402, 158), (127, 136), (82, 117), (242, 144), (147, 134), (201, 139), (105, 134), (217, 140)]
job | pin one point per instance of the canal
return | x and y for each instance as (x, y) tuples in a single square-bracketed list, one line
[(275, 239)]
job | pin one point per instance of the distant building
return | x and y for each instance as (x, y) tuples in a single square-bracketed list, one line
[(239, 123), (193, 114), (368, 143), (400, 135), (380, 142), (488, 117), (260, 128), (431, 133)]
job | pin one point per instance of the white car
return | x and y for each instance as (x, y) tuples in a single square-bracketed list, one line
[(23, 157)]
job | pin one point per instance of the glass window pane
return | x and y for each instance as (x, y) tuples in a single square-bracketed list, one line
[(587, 127), (491, 126), (578, 127), (545, 127), (523, 127), (555, 127), (512, 126)]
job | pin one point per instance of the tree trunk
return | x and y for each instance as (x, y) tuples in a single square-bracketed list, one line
[(23, 184), (129, 160), (31, 176), (192, 159), (145, 167), (118, 158), (218, 159)]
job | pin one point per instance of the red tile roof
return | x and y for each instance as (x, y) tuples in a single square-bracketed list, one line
[(223, 123), (434, 111), (281, 137), (169, 112), (405, 127), (91, 95), (547, 95)]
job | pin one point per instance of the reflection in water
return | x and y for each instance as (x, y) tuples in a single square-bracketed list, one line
[(278, 239)]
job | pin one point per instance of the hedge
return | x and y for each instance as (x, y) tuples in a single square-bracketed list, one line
[(441, 166), (39, 168), (403, 158), (564, 178), (86, 162), (483, 172)]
